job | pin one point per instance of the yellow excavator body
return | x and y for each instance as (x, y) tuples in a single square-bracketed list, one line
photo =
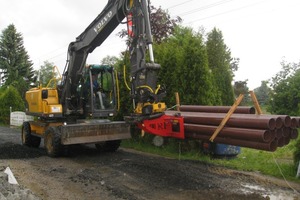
[(43, 102)]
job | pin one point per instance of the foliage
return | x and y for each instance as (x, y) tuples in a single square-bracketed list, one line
[(240, 87), (185, 69), (219, 61), (46, 73), (125, 98), (109, 60), (9, 97), (265, 162), (234, 65), (262, 93), (285, 97), (162, 25), (287, 70), (14, 61)]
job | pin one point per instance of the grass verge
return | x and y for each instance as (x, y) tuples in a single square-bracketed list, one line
[(277, 164)]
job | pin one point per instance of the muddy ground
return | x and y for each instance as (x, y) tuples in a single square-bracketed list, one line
[(126, 174)]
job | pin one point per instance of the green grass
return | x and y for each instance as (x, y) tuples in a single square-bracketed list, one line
[(265, 162), (248, 160)]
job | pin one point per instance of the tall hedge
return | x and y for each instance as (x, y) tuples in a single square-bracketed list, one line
[(185, 68), (219, 58)]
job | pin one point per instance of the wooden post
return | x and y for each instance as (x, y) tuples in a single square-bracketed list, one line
[(255, 102), (177, 101), (226, 118)]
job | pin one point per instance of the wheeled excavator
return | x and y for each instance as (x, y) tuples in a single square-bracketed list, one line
[(78, 110)]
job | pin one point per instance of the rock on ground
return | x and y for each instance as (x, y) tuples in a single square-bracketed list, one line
[(13, 192)]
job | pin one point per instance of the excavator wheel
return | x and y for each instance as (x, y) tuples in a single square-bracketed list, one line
[(27, 138), (52, 142), (108, 146)]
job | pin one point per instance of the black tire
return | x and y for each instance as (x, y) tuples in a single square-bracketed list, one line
[(52, 142), (108, 146), (27, 138)]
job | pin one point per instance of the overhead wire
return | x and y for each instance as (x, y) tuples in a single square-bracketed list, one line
[(51, 57), (55, 56), (209, 6), (174, 6), (226, 12), (52, 51), (46, 57), (205, 7)]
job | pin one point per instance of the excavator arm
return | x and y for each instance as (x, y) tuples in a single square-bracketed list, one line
[(144, 90), (93, 36), (146, 94)]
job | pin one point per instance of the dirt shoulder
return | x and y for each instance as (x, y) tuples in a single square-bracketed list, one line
[(126, 174)]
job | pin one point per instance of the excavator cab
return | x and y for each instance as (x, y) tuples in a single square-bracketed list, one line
[(99, 91)]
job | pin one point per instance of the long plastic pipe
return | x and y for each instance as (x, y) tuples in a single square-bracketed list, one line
[(294, 134), (255, 135), (236, 120), (271, 146), (216, 109)]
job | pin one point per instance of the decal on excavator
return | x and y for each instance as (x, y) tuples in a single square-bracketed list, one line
[(102, 22)]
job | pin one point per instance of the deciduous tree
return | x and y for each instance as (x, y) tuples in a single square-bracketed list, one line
[(285, 96), (162, 25), (46, 73), (109, 60)]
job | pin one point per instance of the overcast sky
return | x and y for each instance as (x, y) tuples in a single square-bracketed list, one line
[(261, 33)]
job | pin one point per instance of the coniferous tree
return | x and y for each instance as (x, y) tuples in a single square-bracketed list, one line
[(219, 61), (185, 68), (15, 65)]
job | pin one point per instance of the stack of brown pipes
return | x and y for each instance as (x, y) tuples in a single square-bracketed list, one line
[(244, 128)]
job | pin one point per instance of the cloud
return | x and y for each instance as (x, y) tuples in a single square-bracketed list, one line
[(49, 26), (258, 32)]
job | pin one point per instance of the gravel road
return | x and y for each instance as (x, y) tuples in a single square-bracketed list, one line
[(126, 174)]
